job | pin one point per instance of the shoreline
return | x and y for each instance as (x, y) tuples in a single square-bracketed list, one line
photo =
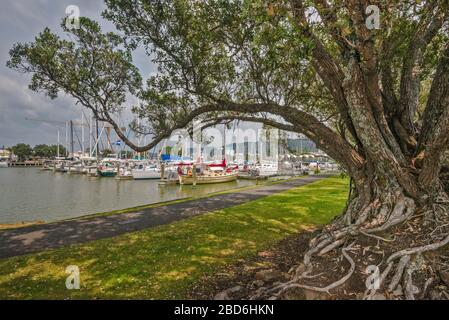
[(261, 183), (21, 224), (165, 261)]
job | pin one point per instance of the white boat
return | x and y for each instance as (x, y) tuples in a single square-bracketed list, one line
[(146, 172), (267, 169), (171, 175), (61, 166), (76, 167), (208, 178), (92, 171), (124, 174), (89, 165), (89, 168), (208, 173), (46, 168)]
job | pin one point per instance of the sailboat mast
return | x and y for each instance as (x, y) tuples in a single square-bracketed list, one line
[(224, 142), (71, 138), (90, 136), (57, 147), (66, 138), (82, 132), (96, 135)]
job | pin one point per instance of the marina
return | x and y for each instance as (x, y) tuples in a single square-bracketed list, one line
[(48, 189), (30, 194)]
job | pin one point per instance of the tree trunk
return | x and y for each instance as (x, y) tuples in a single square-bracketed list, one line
[(382, 229)]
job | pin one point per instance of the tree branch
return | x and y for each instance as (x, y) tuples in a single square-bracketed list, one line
[(434, 137), (327, 68), (325, 138), (410, 82)]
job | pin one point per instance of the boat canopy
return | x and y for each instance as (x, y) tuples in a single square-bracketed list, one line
[(169, 157), (221, 165)]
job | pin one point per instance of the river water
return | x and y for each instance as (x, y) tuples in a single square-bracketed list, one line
[(29, 194)]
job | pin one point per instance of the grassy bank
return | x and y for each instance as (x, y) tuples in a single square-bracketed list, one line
[(21, 224), (260, 183), (163, 262), (164, 203)]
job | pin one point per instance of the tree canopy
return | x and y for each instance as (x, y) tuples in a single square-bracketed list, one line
[(374, 99), (22, 150), (281, 64), (49, 151), (94, 68)]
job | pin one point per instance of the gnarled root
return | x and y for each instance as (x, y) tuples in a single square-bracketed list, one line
[(406, 254)]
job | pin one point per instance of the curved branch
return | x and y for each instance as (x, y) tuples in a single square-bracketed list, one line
[(266, 121), (327, 68), (326, 139)]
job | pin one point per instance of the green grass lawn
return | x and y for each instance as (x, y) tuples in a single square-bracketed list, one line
[(162, 262), (267, 182)]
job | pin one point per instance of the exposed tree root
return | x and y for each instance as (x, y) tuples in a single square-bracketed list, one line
[(407, 271), (421, 249)]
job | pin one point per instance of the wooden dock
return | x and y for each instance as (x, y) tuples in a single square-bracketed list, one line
[(24, 164)]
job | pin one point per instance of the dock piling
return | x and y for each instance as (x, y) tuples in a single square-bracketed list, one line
[(194, 174)]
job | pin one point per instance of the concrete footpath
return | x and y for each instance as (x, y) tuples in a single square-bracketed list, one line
[(37, 238)]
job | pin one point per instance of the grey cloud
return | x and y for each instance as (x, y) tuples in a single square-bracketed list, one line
[(21, 21)]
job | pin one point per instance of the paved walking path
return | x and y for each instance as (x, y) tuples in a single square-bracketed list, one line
[(37, 238)]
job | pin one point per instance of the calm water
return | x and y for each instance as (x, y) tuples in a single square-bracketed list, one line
[(28, 194)]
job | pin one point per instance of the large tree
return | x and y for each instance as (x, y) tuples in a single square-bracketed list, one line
[(376, 100), (22, 151), (48, 151)]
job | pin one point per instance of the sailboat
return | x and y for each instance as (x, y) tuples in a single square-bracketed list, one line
[(107, 168), (267, 168), (61, 166), (76, 167), (146, 171), (208, 173), (124, 173)]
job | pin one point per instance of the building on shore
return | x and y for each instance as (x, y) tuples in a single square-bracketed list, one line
[(6, 154)]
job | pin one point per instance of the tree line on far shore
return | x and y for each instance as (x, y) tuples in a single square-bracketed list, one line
[(24, 151)]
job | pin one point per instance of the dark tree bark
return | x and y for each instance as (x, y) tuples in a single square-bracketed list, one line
[(391, 188)]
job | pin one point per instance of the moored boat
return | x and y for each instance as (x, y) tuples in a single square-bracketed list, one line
[(61, 166), (124, 174), (107, 171), (208, 173), (146, 172), (92, 171), (89, 168), (47, 165), (76, 167), (205, 179), (267, 169), (108, 167)]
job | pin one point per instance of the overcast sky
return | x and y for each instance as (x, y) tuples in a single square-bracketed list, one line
[(21, 21)]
